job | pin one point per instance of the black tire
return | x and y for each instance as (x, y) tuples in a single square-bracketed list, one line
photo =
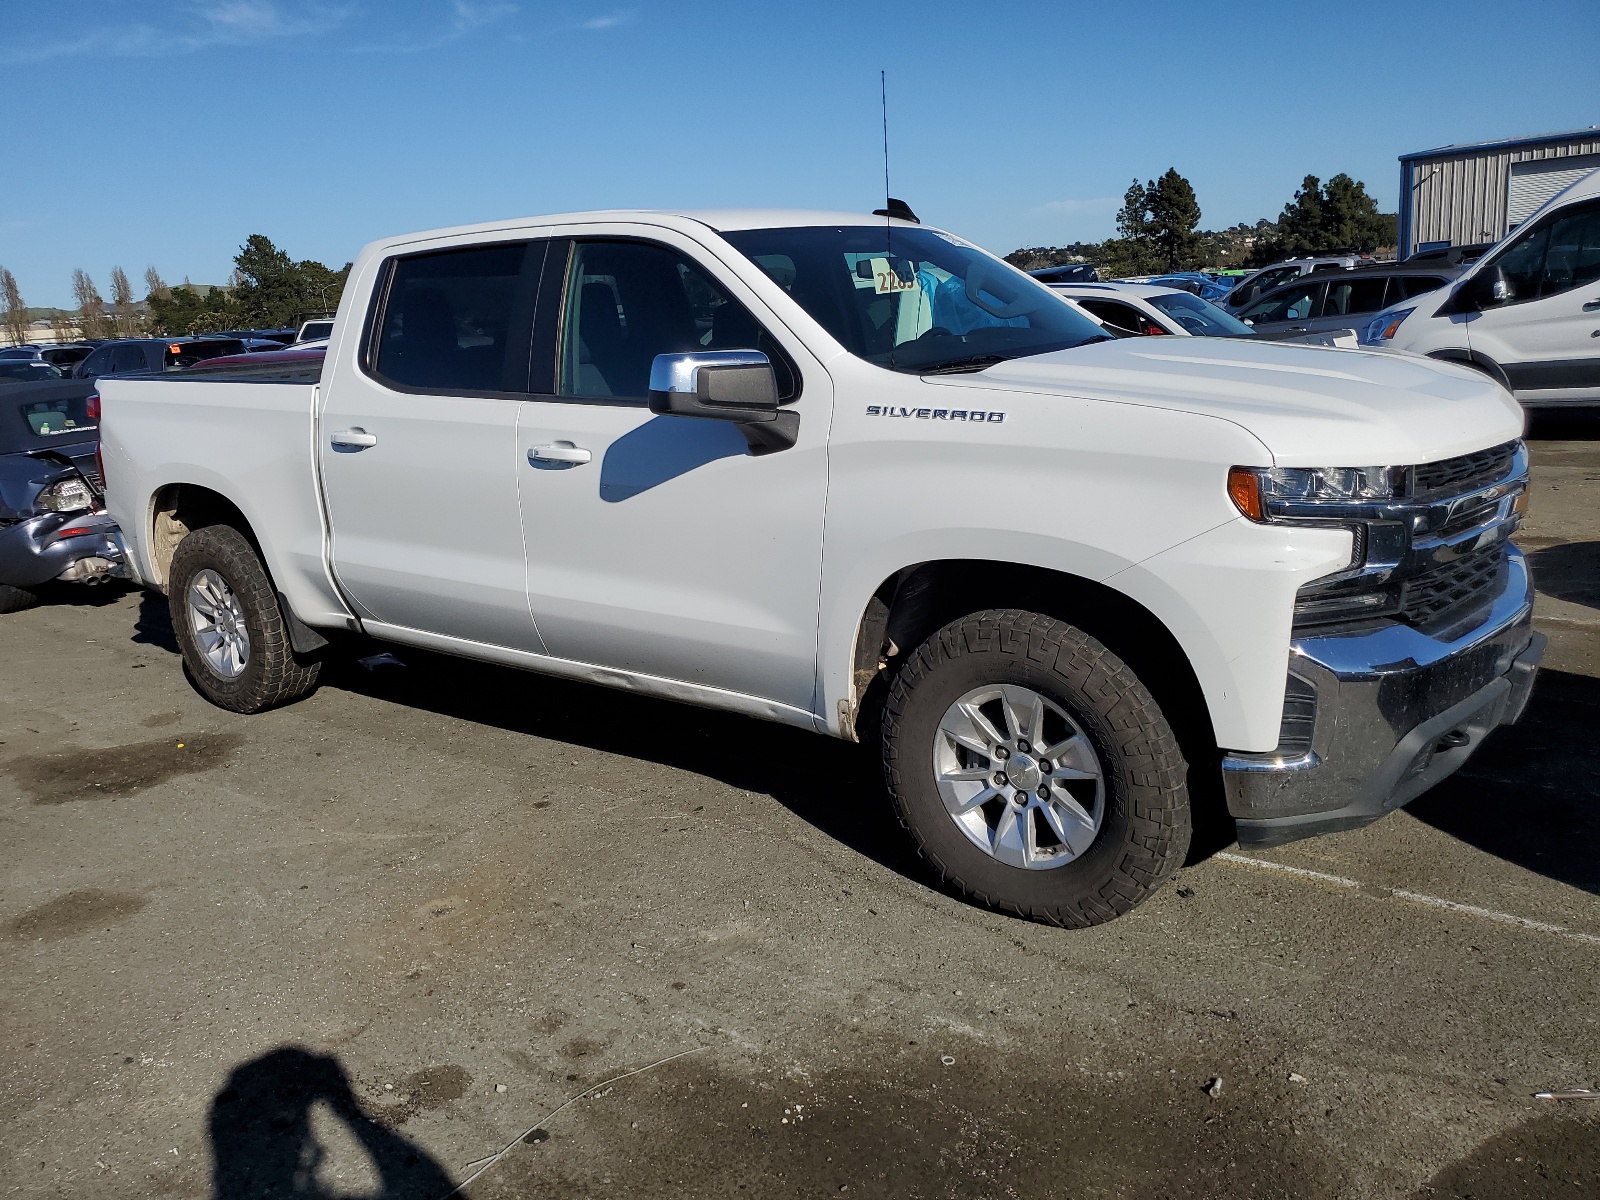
[(273, 674), (15, 599), (1146, 825)]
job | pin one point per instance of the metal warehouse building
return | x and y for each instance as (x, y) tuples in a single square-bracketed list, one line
[(1467, 195)]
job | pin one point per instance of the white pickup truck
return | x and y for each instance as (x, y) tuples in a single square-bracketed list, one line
[(856, 475)]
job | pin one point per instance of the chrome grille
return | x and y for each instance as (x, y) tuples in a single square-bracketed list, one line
[(1461, 474), (1449, 585)]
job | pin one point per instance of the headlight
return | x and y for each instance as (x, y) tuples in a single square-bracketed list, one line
[(1301, 493), (1384, 326), (66, 495)]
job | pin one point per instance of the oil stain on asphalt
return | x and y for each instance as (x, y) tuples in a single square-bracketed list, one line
[(74, 913), (909, 1126), (72, 773)]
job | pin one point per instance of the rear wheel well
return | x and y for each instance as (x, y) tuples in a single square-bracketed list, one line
[(911, 605), (180, 508)]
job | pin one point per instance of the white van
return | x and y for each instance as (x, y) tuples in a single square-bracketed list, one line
[(1527, 314)]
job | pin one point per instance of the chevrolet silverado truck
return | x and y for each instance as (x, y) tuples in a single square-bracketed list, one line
[(858, 476)]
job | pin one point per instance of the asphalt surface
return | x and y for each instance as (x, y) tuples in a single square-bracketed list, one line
[(358, 945)]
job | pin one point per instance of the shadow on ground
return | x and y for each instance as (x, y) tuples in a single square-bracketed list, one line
[(266, 1143), (1569, 571), (1531, 795), (835, 786), (1580, 424)]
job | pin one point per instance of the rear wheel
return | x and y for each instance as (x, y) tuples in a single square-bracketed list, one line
[(15, 599), (229, 627), (1035, 770)]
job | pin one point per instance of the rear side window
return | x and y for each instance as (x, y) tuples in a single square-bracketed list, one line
[(1122, 316), (1406, 286), (1349, 296), (126, 358), (459, 321)]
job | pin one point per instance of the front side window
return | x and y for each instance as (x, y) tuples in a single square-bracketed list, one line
[(95, 364), (460, 320), (627, 302), (1522, 264), (1293, 304), (914, 299), (1572, 257), (127, 358)]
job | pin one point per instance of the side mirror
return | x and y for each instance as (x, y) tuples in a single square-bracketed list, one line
[(725, 385), (1486, 289)]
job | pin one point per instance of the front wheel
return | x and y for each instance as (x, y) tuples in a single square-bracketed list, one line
[(1035, 770), (228, 624)]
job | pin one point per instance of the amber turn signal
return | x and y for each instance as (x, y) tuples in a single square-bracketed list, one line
[(1244, 489)]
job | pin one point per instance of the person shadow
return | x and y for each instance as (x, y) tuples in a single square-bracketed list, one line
[(264, 1144)]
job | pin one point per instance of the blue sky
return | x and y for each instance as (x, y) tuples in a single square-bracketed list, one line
[(165, 131)]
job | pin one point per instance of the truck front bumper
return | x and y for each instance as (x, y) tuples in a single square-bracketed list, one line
[(1396, 711)]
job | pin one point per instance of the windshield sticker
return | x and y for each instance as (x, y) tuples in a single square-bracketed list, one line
[(971, 416)]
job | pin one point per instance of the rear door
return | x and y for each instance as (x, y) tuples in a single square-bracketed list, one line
[(419, 447), (1547, 334), (663, 545)]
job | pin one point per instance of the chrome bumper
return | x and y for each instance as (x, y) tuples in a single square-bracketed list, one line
[(1396, 711)]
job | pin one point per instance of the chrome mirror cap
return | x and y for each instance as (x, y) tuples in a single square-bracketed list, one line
[(680, 373)]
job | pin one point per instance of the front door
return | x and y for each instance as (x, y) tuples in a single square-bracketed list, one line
[(662, 545), (1547, 334), (419, 447)]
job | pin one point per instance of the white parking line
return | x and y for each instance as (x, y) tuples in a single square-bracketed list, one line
[(1470, 910)]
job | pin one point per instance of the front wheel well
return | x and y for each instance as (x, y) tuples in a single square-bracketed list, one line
[(913, 604), (177, 510)]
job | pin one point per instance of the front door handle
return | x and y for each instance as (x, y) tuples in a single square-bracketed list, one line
[(355, 438), (1592, 306), (559, 452)]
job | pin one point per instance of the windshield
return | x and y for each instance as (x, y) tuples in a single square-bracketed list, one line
[(913, 299), (26, 371), (1200, 317)]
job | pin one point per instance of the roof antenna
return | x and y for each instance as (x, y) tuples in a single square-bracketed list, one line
[(898, 209)]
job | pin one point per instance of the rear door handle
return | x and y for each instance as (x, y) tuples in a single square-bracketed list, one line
[(355, 438), (1592, 306), (559, 452)]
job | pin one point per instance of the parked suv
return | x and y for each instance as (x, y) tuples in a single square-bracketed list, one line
[(1527, 314), (130, 356), (1338, 300), (1259, 283)]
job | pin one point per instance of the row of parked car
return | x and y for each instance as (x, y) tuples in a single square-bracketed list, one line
[(52, 527), (90, 359), (1526, 311)]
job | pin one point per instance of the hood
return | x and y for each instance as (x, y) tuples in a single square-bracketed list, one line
[(1310, 405)]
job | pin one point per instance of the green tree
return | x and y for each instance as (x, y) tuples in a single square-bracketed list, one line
[(1173, 217), (274, 290), (1337, 217)]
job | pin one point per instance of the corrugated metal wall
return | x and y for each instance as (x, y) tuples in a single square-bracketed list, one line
[(1460, 197)]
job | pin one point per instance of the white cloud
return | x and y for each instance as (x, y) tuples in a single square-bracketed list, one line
[(205, 23), (610, 20), (465, 17)]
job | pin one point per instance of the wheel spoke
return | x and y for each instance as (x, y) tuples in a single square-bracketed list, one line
[(967, 727), (1024, 714), (967, 774), (1072, 815)]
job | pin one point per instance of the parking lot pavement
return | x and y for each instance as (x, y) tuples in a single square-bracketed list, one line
[(413, 916)]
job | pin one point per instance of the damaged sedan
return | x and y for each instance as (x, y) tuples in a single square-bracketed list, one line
[(52, 524)]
